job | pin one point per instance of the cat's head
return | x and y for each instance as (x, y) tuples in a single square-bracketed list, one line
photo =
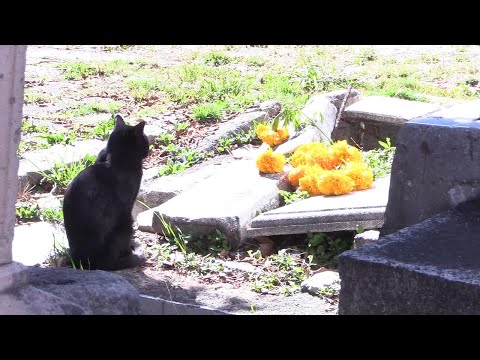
[(128, 141)]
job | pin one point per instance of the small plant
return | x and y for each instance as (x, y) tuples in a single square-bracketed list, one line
[(180, 160), (103, 129), (51, 214), (95, 107), (142, 88), (165, 139), (255, 61), (61, 174), (78, 70), (328, 292), (216, 58), (30, 127), (380, 160), (173, 236), (35, 98), (181, 126), (224, 145), (208, 112), (60, 138), (294, 196), (324, 250), (25, 211)]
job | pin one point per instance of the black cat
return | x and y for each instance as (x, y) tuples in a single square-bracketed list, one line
[(97, 205)]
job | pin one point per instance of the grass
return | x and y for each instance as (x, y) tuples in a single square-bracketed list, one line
[(208, 112), (31, 97), (102, 130), (95, 107), (380, 160)]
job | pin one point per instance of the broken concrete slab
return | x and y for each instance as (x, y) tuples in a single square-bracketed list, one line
[(326, 213), (375, 118), (34, 163), (155, 190), (62, 291), (435, 168), (226, 201), (430, 268), (388, 110), (34, 243), (469, 110), (242, 122)]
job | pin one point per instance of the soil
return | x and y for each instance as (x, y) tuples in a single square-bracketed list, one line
[(232, 293)]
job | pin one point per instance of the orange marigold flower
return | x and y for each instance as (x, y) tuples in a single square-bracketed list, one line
[(296, 174), (345, 153), (309, 183), (272, 138), (335, 182), (360, 173), (270, 162)]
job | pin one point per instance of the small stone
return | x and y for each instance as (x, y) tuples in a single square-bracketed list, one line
[(321, 281), (366, 237)]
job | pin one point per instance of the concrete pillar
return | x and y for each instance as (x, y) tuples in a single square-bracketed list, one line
[(12, 70)]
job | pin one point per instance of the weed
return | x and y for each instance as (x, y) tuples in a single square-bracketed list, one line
[(294, 196), (141, 88), (255, 61), (208, 111), (224, 145), (181, 126), (25, 211), (51, 214), (328, 292), (216, 58), (180, 159), (103, 129), (380, 160), (324, 250), (165, 139), (30, 127), (95, 107), (62, 173), (36, 98), (78, 70), (60, 138)]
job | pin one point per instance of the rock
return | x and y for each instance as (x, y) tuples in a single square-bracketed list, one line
[(366, 237), (323, 113), (34, 243), (321, 281), (336, 97), (62, 291)]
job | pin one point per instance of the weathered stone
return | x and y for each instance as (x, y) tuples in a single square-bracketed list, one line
[(49, 202), (34, 243), (304, 136), (321, 281), (63, 291), (226, 201), (435, 168), (242, 122), (469, 110), (428, 268), (323, 113), (375, 118), (158, 190), (36, 162), (272, 107), (336, 97), (241, 266), (326, 213), (364, 238)]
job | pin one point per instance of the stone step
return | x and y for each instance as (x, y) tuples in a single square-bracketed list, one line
[(326, 213), (428, 268), (226, 201)]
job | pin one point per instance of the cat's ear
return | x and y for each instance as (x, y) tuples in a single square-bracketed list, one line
[(139, 128), (119, 122)]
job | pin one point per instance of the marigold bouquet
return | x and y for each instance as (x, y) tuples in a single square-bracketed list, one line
[(335, 169), (270, 136)]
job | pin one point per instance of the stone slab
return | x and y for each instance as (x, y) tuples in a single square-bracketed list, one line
[(469, 110), (435, 168), (226, 201), (388, 110), (34, 243), (326, 213), (43, 160), (428, 268)]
